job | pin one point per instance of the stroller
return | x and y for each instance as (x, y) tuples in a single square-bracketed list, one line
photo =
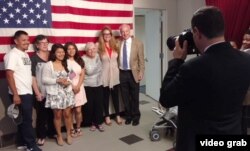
[(167, 121)]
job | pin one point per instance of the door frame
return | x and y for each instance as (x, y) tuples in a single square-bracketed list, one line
[(162, 53)]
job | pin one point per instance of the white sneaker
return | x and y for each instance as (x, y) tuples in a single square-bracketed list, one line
[(34, 149), (22, 147)]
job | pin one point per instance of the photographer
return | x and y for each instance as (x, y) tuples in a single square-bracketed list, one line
[(210, 88)]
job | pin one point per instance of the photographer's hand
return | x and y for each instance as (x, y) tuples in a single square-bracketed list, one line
[(180, 53)]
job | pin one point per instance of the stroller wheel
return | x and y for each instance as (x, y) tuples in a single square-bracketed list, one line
[(174, 144), (154, 135)]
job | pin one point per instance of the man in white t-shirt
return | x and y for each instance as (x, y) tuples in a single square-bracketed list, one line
[(18, 73)]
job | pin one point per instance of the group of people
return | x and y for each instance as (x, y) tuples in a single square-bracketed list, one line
[(61, 82), (209, 90)]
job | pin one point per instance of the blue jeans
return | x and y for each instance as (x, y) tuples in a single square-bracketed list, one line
[(25, 131)]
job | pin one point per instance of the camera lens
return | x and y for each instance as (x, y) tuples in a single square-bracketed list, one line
[(171, 42), (185, 35)]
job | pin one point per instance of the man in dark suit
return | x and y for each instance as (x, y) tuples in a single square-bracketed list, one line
[(131, 64), (209, 89)]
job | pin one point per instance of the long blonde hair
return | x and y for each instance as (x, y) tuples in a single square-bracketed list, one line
[(112, 42)]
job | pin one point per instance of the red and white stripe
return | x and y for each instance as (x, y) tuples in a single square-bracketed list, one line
[(78, 21)]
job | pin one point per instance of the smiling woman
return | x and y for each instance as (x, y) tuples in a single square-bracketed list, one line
[(60, 97), (108, 51), (44, 116), (93, 86), (246, 41), (77, 74)]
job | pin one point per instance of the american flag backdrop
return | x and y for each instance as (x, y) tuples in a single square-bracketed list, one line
[(77, 21)]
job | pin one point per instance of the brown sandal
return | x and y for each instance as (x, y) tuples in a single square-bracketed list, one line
[(92, 128), (73, 133), (69, 140), (118, 120), (59, 141), (108, 121), (100, 128), (40, 142), (78, 132)]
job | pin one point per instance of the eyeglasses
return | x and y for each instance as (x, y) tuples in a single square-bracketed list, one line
[(44, 43), (106, 34), (90, 49)]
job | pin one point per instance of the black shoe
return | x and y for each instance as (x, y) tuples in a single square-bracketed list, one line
[(135, 123), (128, 121)]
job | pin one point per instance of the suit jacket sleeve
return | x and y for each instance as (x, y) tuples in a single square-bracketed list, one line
[(141, 58), (176, 84)]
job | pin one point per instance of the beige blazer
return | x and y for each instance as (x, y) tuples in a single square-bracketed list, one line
[(136, 61), (110, 69)]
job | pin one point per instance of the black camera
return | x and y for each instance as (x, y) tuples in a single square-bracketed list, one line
[(185, 35)]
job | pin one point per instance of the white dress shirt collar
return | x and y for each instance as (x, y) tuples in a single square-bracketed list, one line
[(212, 45)]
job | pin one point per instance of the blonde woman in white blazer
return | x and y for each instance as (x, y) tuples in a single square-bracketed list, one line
[(110, 72)]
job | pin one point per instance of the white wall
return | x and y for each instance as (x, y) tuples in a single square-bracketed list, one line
[(140, 33), (178, 14), (184, 17), (186, 8), (169, 18), (153, 4)]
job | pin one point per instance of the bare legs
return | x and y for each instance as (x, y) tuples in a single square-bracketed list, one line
[(77, 111), (78, 115), (66, 113)]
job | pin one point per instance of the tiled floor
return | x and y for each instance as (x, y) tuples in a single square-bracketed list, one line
[(117, 138), (131, 139)]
